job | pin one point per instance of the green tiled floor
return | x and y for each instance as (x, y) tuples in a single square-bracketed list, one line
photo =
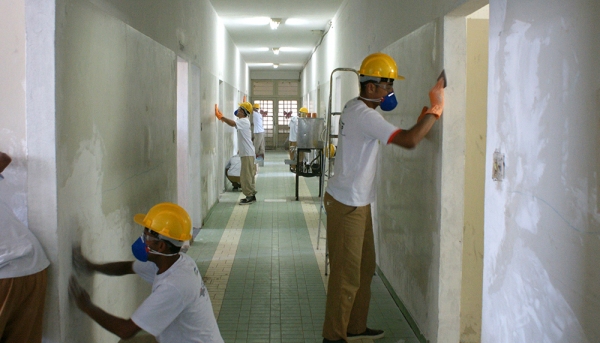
[(275, 292)]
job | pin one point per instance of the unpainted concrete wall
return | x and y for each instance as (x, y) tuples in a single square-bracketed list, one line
[(421, 261), (542, 221), (90, 125), (116, 148)]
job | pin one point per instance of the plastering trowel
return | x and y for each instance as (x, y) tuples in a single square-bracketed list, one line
[(443, 75)]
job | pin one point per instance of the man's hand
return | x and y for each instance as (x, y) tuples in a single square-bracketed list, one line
[(218, 113), (436, 96), (124, 328), (80, 263), (81, 297)]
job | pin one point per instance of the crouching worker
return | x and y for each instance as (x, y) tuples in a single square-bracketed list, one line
[(179, 308), (233, 170)]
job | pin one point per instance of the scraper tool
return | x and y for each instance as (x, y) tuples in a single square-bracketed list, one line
[(443, 75)]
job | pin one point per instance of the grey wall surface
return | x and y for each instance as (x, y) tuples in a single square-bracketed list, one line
[(542, 221), (418, 252), (91, 126), (409, 184), (116, 152)]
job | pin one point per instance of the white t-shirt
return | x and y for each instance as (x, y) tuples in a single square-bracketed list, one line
[(245, 145), (179, 309), (361, 130), (258, 122), (293, 128), (235, 166), (21, 254)]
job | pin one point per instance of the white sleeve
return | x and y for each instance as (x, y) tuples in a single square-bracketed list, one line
[(375, 126), (146, 270)]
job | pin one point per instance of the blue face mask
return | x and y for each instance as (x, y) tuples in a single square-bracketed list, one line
[(140, 250), (235, 112), (389, 102)]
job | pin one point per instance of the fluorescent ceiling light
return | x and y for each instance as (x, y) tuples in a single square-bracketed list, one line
[(276, 51), (294, 49), (259, 21), (275, 23), (296, 21)]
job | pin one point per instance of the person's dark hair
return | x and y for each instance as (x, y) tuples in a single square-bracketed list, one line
[(4, 161)]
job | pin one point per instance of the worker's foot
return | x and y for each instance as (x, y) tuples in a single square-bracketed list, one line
[(325, 340), (249, 200), (369, 333), (235, 189)]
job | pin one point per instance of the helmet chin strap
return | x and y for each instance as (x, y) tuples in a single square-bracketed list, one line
[(372, 100)]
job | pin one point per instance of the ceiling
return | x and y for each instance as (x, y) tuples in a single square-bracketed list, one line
[(303, 23)]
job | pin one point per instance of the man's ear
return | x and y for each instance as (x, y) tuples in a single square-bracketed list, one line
[(371, 88), (162, 247)]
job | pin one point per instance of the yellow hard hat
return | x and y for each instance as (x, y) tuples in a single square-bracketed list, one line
[(256, 106), (247, 107), (380, 65), (303, 110), (167, 219), (331, 151)]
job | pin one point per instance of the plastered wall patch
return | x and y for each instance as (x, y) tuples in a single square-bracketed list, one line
[(498, 166)]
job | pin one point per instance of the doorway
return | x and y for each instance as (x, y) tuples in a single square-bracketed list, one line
[(278, 100)]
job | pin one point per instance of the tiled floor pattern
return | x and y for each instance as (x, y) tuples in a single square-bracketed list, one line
[(264, 275)]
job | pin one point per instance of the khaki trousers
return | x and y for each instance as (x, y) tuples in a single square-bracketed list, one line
[(235, 180), (352, 260), (22, 308), (247, 176), (259, 144)]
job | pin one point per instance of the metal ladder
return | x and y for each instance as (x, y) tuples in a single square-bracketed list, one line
[(328, 160)]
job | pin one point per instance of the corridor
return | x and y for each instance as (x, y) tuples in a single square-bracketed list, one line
[(263, 271)]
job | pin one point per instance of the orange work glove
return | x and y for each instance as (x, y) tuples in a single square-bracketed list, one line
[(218, 113), (436, 96)]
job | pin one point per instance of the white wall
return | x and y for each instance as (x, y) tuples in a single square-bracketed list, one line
[(542, 221), (89, 113), (419, 228), (12, 99)]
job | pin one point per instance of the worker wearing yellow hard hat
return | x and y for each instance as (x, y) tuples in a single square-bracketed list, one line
[(259, 133), (351, 190), (179, 308), (245, 147), (293, 124)]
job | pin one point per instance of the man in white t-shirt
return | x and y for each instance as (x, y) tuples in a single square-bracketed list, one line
[(232, 171), (23, 266), (259, 133), (351, 191), (246, 149), (294, 135), (179, 309)]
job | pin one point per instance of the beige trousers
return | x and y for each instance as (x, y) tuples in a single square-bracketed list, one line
[(247, 176), (22, 302), (352, 260), (259, 144)]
